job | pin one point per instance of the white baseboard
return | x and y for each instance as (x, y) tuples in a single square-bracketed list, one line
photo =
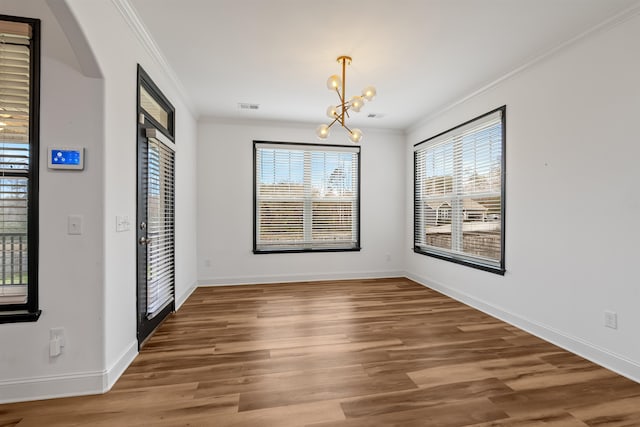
[(180, 299), (601, 356), (67, 385), (112, 374), (49, 387), (288, 278)]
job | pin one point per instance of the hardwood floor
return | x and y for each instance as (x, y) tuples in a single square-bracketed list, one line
[(385, 352)]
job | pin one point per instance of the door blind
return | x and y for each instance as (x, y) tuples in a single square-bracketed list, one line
[(160, 227)]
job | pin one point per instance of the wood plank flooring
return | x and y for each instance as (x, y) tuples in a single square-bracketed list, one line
[(384, 352)]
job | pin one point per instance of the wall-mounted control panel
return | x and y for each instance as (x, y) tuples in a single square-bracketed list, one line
[(65, 158)]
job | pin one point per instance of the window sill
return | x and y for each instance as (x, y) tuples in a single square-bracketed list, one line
[(20, 316), (496, 270), (301, 251)]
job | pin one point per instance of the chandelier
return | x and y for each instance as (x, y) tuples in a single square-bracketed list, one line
[(341, 111)]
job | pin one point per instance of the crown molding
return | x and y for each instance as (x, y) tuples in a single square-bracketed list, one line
[(146, 40), (601, 27)]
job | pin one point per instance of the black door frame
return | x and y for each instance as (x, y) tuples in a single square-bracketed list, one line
[(145, 326)]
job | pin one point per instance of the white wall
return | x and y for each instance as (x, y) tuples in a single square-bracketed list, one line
[(118, 52), (225, 205), (88, 282), (572, 200), (70, 267)]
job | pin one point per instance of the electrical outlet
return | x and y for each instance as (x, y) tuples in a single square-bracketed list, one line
[(74, 224), (611, 319)]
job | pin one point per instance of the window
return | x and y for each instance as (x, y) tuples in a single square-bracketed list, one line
[(306, 197), (459, 193), (19, 105), (161, 113)]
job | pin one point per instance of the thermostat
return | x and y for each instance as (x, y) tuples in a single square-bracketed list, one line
[(65, 158)]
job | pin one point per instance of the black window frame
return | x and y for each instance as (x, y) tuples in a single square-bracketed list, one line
[(145, 81), (501, 269), (29, 311), (357, 247)]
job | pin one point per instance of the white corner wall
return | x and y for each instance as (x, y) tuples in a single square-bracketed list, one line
[(225, 206), (118, 48), (70, 267), (572, 200), (88, 282)]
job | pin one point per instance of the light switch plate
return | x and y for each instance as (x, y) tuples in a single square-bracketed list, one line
[(122, 223), (611, 319)]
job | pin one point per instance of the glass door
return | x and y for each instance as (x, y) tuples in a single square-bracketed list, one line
[(155, 237), (156, 240)]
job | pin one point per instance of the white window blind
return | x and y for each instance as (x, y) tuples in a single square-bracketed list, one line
[(458, 189), (306, 197), (15, 83), (160, 227)]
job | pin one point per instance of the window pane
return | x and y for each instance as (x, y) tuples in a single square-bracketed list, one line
[(154, 109), (281, 222), (332, 221), (482, 228), (13, 238), (15, 32), (13, 157), (14, 107), (438, 171), (437, 223)]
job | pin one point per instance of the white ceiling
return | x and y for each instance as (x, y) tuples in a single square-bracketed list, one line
[(422, 55)]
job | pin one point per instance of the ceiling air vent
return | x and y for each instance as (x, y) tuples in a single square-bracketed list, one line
[(375, 115), (248, 106)]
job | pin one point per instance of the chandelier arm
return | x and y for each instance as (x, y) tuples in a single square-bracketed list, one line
[(333, 122), (346, 110), (337, 119)]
